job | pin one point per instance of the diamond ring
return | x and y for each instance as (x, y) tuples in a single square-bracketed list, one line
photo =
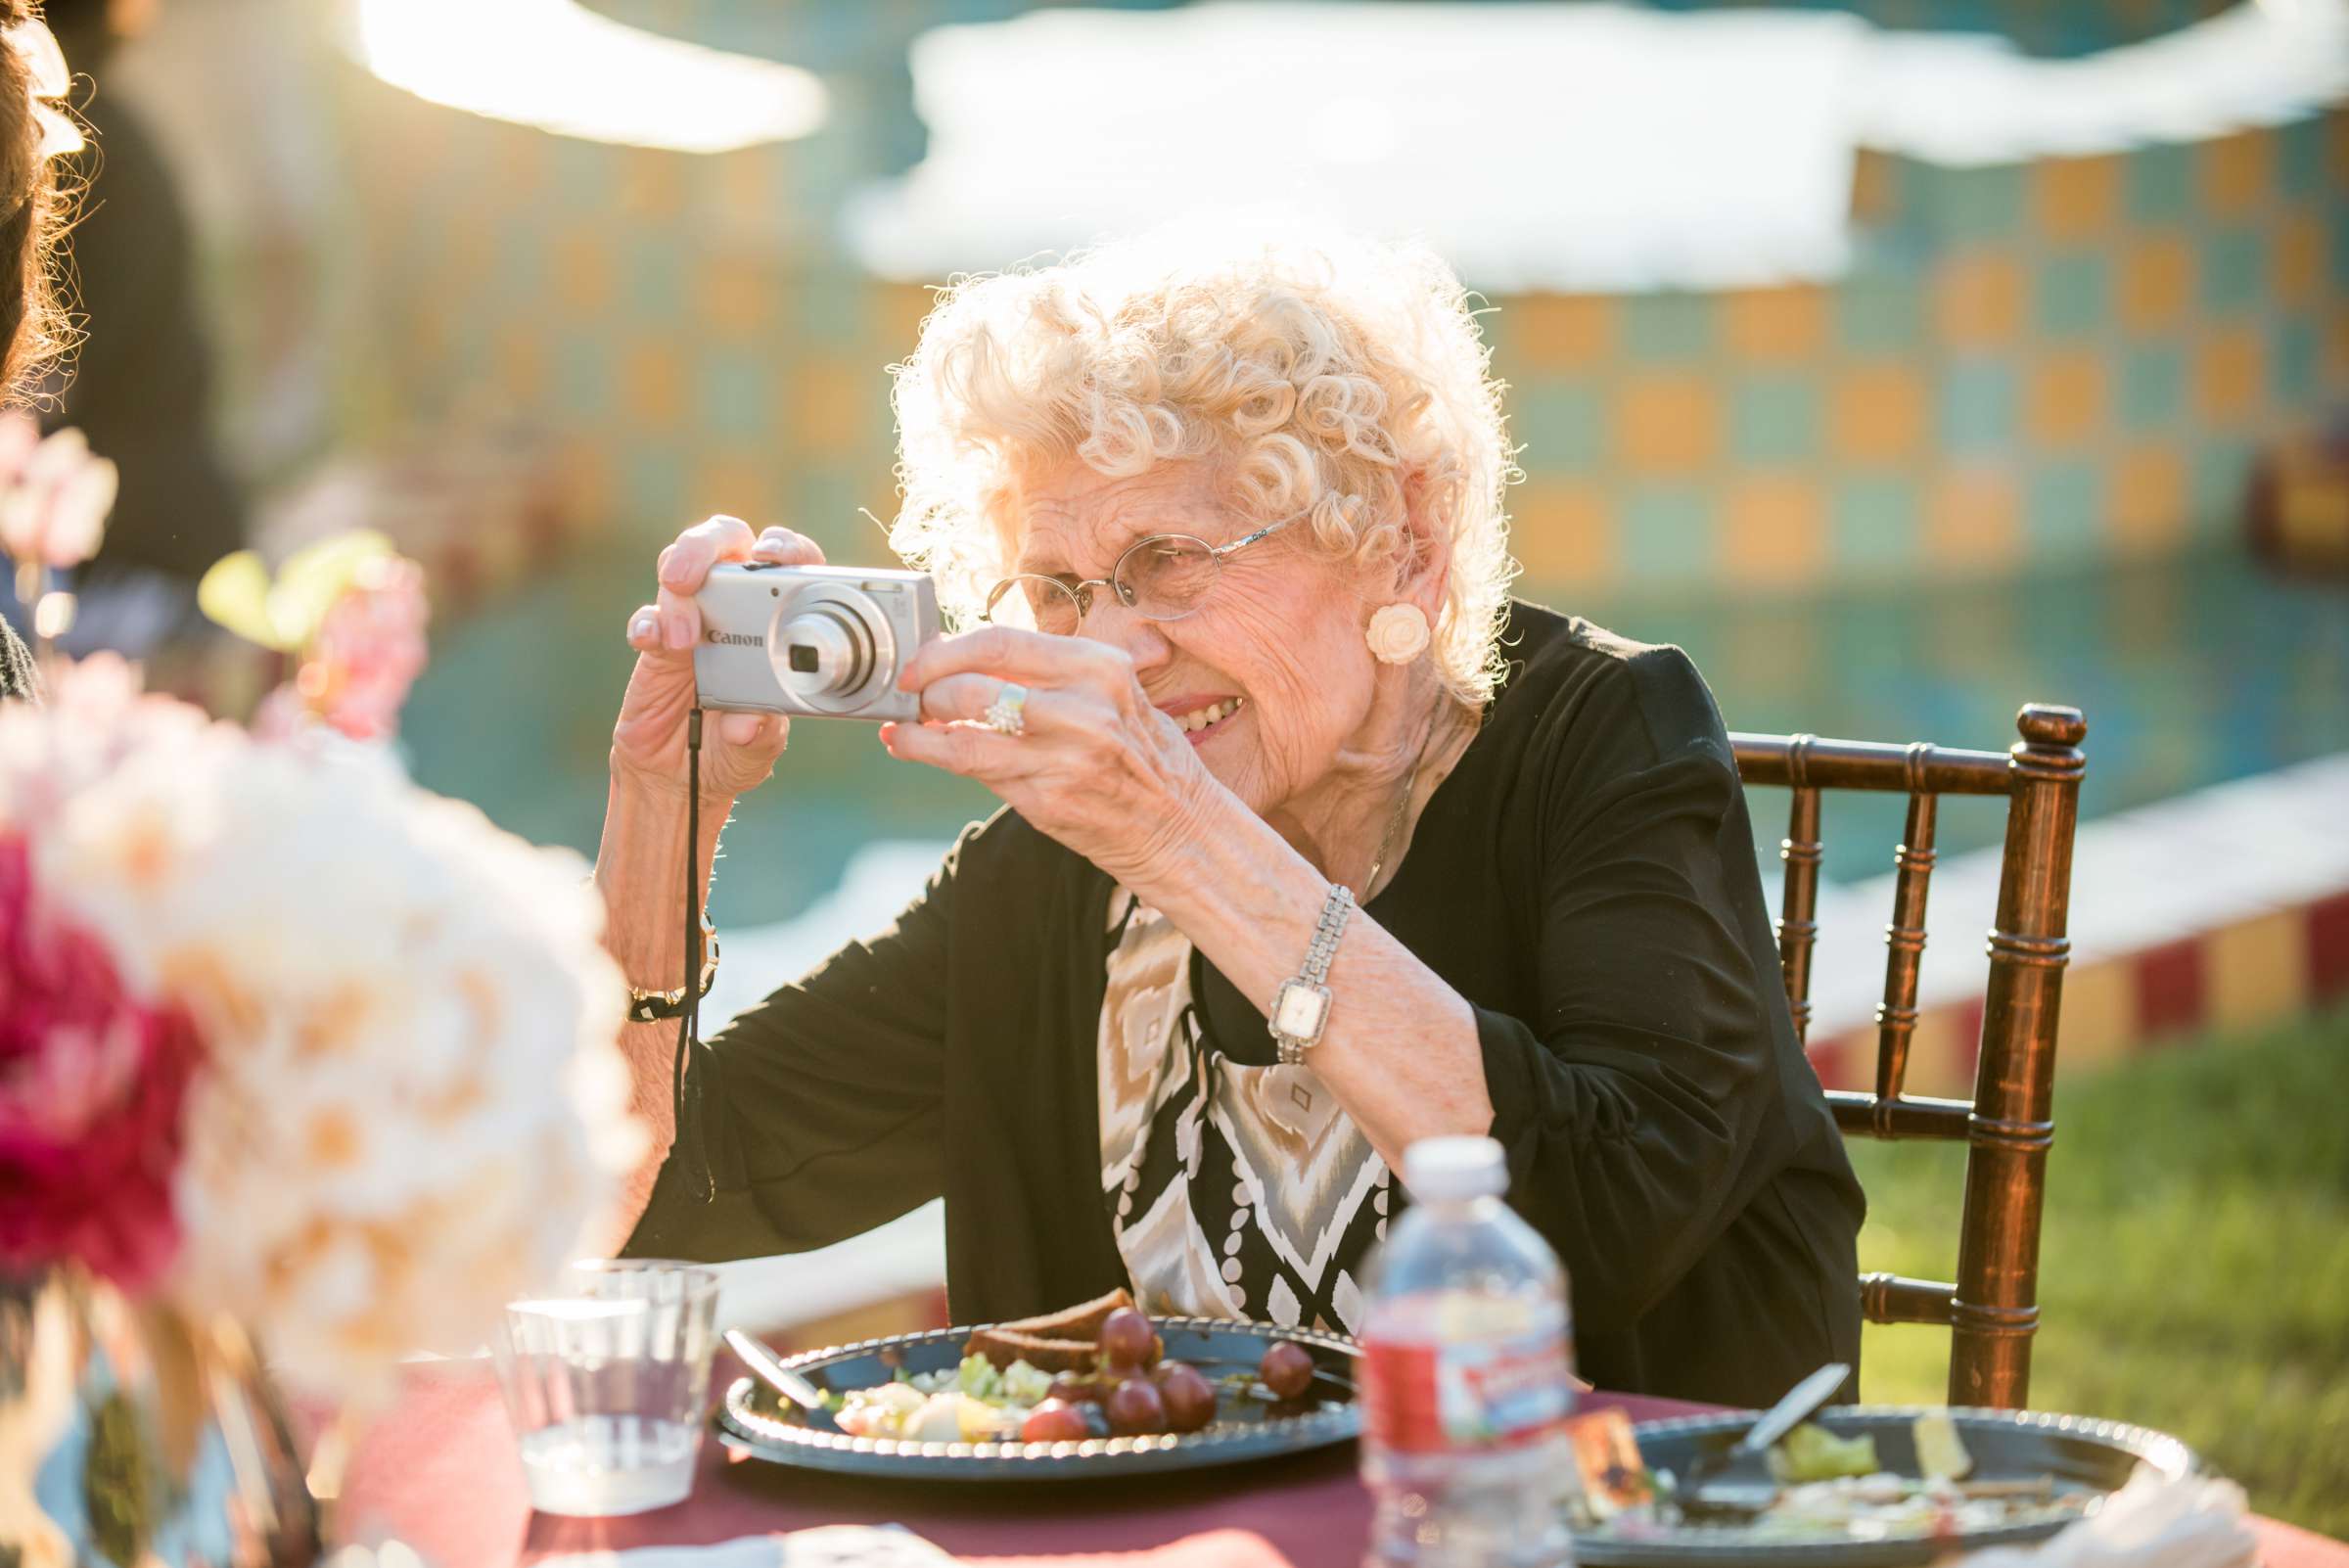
[(1007, 714)]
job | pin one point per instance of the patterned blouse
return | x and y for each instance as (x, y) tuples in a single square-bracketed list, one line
[(1235, 1191)]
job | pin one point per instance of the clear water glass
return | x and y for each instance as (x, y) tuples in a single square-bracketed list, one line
[(607, 1381)]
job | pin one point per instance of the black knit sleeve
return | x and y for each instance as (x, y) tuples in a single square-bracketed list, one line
[(1628, 1102), (820, 1106)]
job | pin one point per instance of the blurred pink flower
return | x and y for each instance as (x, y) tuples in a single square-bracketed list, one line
[(370, 648), (91, 1088), (55, 496), (281, 716)]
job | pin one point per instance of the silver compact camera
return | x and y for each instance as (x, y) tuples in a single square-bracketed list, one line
[(821, 641)]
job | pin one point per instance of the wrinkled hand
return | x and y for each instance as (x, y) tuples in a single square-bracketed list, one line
[(648, 743), (1097, 767)]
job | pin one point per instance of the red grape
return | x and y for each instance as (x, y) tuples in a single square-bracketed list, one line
[(1135, 1407), (1189, 1397), (1286, 1369), (1128, 1340), (1055, 1422)]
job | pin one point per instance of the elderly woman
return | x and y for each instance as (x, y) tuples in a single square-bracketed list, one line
[(1263, 718)]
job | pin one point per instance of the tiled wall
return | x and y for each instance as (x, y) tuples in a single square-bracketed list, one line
[(2031, 364), (2034, 363)]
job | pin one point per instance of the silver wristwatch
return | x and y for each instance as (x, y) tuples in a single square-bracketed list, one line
[(1301, 1007)]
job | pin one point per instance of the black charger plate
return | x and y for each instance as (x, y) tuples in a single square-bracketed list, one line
[(752, 1420), (2081, 1453)]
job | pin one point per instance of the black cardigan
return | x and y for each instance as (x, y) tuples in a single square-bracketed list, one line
[(1584, 877)]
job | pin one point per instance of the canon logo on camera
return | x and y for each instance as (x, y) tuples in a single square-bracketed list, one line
[(740, 640)]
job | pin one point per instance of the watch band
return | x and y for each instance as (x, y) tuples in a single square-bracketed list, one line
[(1301, 1007)]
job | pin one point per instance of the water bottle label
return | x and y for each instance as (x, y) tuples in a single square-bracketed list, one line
[(1502, 1393)]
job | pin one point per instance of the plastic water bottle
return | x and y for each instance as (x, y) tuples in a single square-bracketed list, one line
[(1466, 1381)]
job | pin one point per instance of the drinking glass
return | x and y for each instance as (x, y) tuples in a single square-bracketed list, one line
[(606, 1382)]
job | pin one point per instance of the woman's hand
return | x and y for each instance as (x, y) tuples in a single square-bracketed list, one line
[(648, 743), (1097, 767)]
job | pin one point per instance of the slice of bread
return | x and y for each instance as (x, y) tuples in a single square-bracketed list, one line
[(1081, 1322), (1005, 1346), (1055, 1342)]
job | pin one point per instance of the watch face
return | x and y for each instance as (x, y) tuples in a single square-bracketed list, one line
[(1298, 1011)]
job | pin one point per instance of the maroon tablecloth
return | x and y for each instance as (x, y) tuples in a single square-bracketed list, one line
[(439, 1472)]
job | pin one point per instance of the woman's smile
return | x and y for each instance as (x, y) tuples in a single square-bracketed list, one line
[(1201, 717)]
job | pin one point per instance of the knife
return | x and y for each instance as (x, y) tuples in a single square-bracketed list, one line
[(1789, 1413), (782, 1379)]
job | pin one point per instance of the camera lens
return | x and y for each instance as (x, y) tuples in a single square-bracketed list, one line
[(824, 653), (831, 647)]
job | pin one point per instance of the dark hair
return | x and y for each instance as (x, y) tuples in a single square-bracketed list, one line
[(34, 332)]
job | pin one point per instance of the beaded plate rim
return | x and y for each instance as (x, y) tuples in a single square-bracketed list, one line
[(748, 1430)]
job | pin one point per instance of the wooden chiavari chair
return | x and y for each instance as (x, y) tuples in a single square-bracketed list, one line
[(1992, 1309)]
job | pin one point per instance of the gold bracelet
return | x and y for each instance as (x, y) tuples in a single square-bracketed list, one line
[(656, 1006)]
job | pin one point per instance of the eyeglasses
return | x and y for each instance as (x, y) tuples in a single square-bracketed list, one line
[(1164, 576)]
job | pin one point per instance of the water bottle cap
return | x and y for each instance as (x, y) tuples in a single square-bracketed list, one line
[(1436, 1168)]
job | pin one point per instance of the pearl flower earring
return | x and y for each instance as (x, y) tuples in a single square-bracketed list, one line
[(1398, 633)]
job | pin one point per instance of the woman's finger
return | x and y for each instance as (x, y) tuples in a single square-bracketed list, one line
[(685, 566), (972, 751), (751, 731), (786, 548), (685, 563), (1029, 657), (680, 621), (967, 698), (644, 628)]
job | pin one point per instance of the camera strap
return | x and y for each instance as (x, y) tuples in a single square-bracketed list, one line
[(686, 1089)]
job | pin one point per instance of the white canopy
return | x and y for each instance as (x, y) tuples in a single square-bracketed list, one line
[(1570, 146), (558, 65)]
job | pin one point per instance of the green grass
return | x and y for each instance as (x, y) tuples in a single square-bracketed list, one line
[(2193, 1265)]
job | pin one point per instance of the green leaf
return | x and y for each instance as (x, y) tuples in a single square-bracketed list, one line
[(314, 579), (235, 594)]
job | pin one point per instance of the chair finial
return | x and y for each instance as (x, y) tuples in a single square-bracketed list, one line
[(2045, 724)]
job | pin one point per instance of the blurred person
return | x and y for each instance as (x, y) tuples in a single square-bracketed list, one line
[(142, 384), (1249, 673), (33, 213)]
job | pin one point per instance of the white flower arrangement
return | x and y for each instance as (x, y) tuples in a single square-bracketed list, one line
[(411, 1103)]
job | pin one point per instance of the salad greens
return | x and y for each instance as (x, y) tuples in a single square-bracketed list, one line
[(1815, 1453), (973, 1402)]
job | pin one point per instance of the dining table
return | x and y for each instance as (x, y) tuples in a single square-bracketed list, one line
[(438, 1472)]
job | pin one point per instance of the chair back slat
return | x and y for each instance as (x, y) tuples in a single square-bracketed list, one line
[(1991, 1310), (1904, 950), (1798, 909)]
